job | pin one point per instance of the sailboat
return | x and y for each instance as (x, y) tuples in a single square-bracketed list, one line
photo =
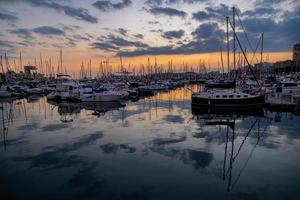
[(231, 97)]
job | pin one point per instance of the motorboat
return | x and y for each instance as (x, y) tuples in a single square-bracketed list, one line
[(102, 96), (66, 89)]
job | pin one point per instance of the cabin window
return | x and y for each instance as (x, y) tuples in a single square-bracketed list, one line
[(218, 96), (230, 96), (245, 95), (238, 96), (224, 96)]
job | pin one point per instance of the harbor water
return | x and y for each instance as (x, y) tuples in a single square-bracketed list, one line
[(154, 148)]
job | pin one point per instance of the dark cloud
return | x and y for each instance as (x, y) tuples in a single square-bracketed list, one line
[(112, 42), (153, 22), (21, 32), (259, 25), (217, 13), (26, 43), (48, 30), (173, 34), (71, 28), (139, 36), (269, 2), (104, 46), (121, 42), (260, 11), (7, 16), (209, 45), (171, 12), (107, 5), (7, 44), (208, 30), (79, 37), (122, 31), (207, 37), (155, 3), (77, 13), (278, 35)]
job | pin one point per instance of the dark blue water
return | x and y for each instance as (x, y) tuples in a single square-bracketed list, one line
[(151, 149)]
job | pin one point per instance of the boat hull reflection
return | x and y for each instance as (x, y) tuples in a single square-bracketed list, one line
[(253, 111), (74, 108)]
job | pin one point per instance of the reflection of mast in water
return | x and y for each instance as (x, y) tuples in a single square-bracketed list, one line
[(156, 105), (7, 118), (225, 155), (231, 183)]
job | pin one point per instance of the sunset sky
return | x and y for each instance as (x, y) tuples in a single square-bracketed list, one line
[(184, 31)]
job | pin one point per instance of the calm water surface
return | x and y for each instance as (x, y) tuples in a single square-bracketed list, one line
[(151, 149)]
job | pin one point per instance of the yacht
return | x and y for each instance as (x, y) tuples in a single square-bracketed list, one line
[(229, 98), (102, 96), (66, 89), (290, 88)]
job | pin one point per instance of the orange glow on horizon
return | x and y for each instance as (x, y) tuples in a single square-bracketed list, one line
[(73, 59)]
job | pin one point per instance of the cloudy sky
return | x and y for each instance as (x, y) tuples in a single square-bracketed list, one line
[(179, 30)]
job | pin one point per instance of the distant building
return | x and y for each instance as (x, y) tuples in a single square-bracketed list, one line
[(286, 66), (266, 67), (296, 52)]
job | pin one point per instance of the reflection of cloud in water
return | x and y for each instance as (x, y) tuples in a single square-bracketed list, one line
[(51, 160), (173, 118), (31, 126), (12, 142), (111, 148), (58, 157), (166, 141), (196, 158), (54, 127), (269, 144), (199, 159)]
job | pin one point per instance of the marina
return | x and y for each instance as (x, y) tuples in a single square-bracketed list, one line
[(149, 100)]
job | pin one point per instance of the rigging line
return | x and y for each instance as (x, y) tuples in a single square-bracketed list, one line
[(256, 48), (239, 43), (240, 147), (244, 166), (225, 156), (247, 38)]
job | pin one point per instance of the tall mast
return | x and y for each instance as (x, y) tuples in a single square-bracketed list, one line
[(233, 28), (222, 62), (41, 62), (261, 54), (227, 36), (20, 61), (61, 58), (1, 64)]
